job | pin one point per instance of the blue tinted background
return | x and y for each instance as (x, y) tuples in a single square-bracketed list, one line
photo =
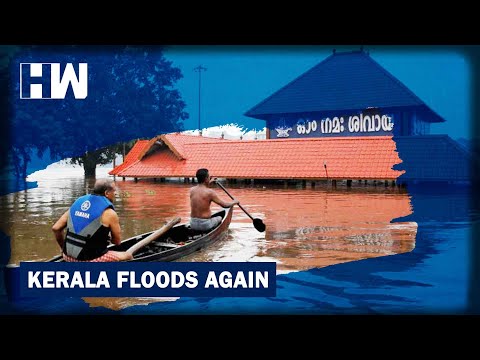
[(244, 76), (438, 276)]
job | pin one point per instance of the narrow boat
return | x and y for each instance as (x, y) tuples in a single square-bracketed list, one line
[(177, 242)]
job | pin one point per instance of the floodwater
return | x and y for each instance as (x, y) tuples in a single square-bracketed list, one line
[(306, 227)]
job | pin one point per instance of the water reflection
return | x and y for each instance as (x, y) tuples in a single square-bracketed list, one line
[(306, 228)]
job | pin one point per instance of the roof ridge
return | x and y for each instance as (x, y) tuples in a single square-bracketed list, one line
[(291, 82), (199, 137), (239, 159), (289, 99), (330, 138), (172, 148), (144, 151), (346, 52)]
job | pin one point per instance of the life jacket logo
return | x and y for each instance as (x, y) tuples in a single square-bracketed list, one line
[(31, 79), (85, 205)]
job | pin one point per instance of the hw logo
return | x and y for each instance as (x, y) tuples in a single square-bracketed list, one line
[(35, 81)]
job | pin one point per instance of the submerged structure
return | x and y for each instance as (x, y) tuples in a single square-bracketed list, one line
[(346, 118)]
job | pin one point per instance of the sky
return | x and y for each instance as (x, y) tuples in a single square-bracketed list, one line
[(239, 77)]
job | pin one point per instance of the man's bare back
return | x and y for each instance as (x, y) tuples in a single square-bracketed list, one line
[(200, 199)]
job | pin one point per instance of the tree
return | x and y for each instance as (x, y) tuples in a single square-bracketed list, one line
[(4, 114), (27, 135), (131, 95)]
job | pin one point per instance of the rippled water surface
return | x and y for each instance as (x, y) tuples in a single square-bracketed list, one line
[(306, 227)]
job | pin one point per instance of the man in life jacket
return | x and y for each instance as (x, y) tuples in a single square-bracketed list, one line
[(89, 221)]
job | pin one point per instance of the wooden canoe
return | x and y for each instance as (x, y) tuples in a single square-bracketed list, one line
[(176, 243)]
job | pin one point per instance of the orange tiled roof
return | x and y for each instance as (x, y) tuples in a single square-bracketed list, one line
[(346, 158), (131, 157), (179, 141)]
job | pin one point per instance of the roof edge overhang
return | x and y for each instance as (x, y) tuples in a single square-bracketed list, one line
[(433, 118), (276, 177)]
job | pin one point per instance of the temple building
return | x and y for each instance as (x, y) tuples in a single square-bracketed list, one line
[(346, 118)]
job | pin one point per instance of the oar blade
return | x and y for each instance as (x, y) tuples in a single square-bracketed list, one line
[(259, 225)]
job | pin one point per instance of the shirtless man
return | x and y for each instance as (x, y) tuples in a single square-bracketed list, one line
[(200, 199)]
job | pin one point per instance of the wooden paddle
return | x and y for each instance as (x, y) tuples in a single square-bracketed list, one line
[(133, 249), (258, 223)]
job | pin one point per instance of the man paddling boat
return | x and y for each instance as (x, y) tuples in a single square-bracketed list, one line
[(201, 196)]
